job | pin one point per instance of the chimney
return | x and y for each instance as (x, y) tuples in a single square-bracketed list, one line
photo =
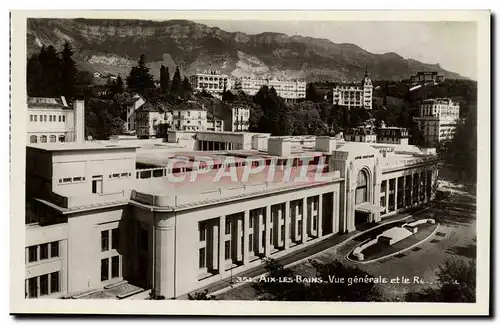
[(79, 120)]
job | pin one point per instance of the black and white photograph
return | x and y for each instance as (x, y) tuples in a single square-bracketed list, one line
[(170, 158)]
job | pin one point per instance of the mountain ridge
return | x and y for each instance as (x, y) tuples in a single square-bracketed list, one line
[(196, 47)]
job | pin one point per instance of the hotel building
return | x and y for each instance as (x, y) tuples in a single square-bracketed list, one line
[(426, 77), (354, 95), (53, 120), (287, 89), (438, 119), (212, 81), (101, 212)]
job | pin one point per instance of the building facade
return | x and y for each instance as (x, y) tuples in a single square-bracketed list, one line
[(211, 81), (354, 95), (361, 134), (394, 135), (437, 120), (53, 120), (426, 77), (148, 119), (287, 89), (188, 117), (94, 219), (132, 106)]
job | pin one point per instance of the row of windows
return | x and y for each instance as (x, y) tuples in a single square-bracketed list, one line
[(43, 118), (43, 138), (43, 252), (68, 180), (42, 285), (120, 175), (105, 239)]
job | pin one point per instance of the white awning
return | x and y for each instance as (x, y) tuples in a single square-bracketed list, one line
[(368, 207)]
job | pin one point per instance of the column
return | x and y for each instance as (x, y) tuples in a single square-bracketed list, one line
[(237, 241), (304, 219), (165, 258), (350, 211), (287, 223), (215, 245), (222, 233), (246, 248), (278, 223), (396, 194), (387, 184), (319, 216), (267, 247), (425, 185), (411, 190), (296, 222), (335, 213), (259, 232), (404, 191)]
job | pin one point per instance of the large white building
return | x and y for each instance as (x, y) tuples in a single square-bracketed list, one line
[(354, 95), (99, 213), (437, 120), (211, 81), (287, 89), (53, 120)]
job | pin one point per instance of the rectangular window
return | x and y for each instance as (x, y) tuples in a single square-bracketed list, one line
[(50, 118), (44, 251), (44, 285), (64, 118), (228, 225), (54, 249), (250, 223), (35, 117), (115, 266), (124, 174), (104, 269), (60, 120), (202, 258), (32, 288), (250, 243), (299, 225), (115, 238), (263, 235), (227, 250), (104, 240), (314, 223), (54, 282), (32, 254), (282, 231), (31, 117), (77, 179), (271, 237), (203, 232)]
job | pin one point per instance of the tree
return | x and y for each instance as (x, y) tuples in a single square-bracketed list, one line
[(311, 93), (50, 65), (34, 76), (176, 87), (456, 279), (139, 79), (461, 152), (102, 119), (201, 296), (186, 86), (68, 71), (118, 86), (164, 78)]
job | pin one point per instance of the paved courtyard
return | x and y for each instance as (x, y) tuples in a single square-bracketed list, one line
[(455, 237)]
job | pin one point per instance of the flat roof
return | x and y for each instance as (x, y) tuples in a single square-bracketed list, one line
[(87, 145), (209, 182)]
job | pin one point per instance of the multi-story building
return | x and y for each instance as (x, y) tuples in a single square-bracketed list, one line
[(236, 116), (287, 89), (354, 95), (437, 120), (148, 118), (188, 117), (53, 120), (395, 135), (214, 123), (133, 105), (211, 81), (426, 77), (361, 134), (95, 220)]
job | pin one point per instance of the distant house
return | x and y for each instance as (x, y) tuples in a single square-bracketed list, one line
[(132, 105), (148, 119), (189, 116), (214, 123), (97, 74)]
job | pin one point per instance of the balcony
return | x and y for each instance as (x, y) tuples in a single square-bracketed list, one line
[(73, 202)]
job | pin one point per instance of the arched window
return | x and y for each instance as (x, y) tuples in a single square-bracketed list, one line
[(52, 138), (43, 139), (62, 138), (362, 187), (33, 139)]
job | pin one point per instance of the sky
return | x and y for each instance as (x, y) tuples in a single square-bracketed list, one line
[(451, 44)]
